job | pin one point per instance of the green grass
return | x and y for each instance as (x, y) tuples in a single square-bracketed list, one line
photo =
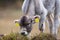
[(44, 36), (14, 36), (17, 36)]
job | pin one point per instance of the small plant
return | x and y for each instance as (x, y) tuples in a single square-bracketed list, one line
[(43, 36), (14, 36), (17, 36)]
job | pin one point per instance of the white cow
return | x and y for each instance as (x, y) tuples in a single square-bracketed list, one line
[(43, 8)]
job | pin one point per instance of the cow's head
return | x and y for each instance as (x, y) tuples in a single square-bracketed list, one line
[(25, 24)]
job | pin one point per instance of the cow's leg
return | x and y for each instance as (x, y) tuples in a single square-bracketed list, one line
[(43, 26), (50, 23), (56, 17), (42, 20), (55, 25)]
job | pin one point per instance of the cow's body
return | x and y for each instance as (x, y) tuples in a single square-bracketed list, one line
[(44, 8)]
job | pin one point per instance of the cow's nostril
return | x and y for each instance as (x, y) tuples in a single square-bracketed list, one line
[(23, 33)]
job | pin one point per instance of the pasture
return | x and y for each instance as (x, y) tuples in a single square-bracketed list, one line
[(7, 25)]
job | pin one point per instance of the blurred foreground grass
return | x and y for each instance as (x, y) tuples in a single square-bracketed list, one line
[(17, 36)]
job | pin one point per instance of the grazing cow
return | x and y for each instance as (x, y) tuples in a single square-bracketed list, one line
[(43, 8)]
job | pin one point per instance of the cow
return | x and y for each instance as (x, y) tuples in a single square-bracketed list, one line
[(42, 8)]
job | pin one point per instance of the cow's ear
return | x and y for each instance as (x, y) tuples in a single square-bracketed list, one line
[(17, 23), (36, 18)]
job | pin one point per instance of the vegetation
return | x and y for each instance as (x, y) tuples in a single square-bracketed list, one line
[(14, 36), (17, 36), (4, 1), (44, 36)]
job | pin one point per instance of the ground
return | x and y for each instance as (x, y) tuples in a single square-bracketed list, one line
[(7, 25)]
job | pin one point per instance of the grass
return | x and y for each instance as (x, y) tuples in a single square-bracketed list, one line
[(17, 36), (14, 36), (44, 36)]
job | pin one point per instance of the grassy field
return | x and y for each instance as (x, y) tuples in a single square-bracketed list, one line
[(7, 25)]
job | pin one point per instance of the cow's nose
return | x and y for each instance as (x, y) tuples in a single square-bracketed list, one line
[(23, 33)]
